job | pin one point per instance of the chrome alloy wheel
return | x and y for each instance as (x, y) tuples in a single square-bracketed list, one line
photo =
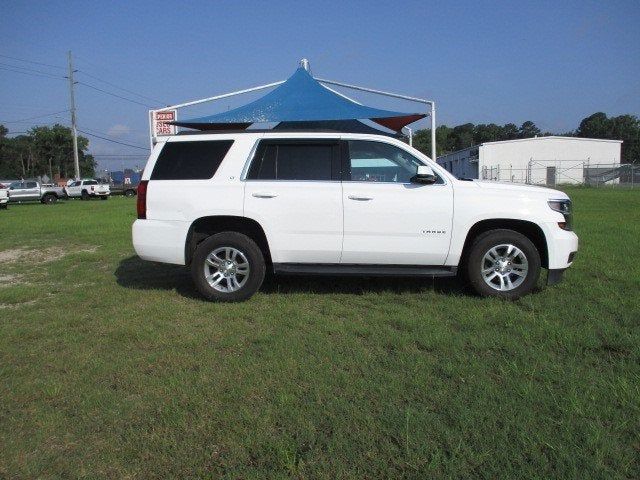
[(226, 269), (504, 267)]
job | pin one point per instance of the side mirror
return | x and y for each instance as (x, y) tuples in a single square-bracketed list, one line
[(424, 174)]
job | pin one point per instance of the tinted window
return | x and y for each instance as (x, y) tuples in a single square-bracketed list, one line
[(294, 161), (16, 185), (91, 182), (32, 185), (190, 160), (380, 162)]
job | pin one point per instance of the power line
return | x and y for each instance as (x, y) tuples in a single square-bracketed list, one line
[(114, 94), (32, 62), (120, 88), (113, 141), (28, 69), (44, 75), (33, 118)]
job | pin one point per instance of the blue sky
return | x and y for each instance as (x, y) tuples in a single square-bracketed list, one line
[(550, 62)]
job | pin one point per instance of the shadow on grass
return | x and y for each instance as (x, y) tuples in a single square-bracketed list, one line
[(138, 274)]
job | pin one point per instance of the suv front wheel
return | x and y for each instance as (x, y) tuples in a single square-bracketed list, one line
[(503, 263), (228, 267)]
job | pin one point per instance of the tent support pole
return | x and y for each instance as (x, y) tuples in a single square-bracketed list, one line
[(218, 97), (433, 131)]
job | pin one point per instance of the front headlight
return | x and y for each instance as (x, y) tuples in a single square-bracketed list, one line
[(564, 207)]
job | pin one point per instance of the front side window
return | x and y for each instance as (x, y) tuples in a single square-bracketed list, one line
[(380, 162), (295, 161), (190, 160), (16, 185)]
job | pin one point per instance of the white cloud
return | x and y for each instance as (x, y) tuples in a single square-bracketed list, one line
[(119, 130)]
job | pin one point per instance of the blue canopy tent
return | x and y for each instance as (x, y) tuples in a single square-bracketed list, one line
[(302, 101)]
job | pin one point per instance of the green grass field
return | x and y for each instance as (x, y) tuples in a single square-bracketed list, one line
[(111, 367)]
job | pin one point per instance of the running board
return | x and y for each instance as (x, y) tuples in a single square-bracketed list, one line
[(363, 270)]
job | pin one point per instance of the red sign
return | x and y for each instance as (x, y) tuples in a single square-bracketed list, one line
[(160, 125)]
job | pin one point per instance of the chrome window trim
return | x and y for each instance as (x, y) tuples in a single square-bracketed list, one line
[(247, 162)]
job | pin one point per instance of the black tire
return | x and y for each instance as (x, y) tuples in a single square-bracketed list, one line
[(241, 243), (475, 263), (3, 206), (49, 198), (85, 195), (129, 193)]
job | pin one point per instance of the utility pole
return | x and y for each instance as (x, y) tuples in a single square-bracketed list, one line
[(74, 130)]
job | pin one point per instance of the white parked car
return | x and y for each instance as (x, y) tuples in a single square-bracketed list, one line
[(87, 188), (4, 198), (232, 205)]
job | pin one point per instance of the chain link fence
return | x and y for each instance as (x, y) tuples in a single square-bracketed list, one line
[(561, 172)]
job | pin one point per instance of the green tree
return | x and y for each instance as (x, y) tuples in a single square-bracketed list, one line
[(623, 127), (510, 131), (487, 133), (44, 150), (529, 130), (596, 125)]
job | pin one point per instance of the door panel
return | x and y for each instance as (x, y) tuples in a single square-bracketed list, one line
[(302, 220), (388, 220), (396, 224), (32, 192), (18, 192)]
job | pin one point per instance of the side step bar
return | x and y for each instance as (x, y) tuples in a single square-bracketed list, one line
[(363, 270)]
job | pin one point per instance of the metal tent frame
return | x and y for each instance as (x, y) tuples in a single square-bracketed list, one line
[(304, 63)]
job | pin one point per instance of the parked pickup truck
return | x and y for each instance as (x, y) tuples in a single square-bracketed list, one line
[(232, 205), (125, 189), (88, 188), (30, 191), (4, 198)]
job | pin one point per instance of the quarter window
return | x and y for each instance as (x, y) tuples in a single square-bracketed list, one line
[(380, 162), (190, 160), (295, 161)]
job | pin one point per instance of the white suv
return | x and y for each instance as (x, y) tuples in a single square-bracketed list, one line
[(232, 205)]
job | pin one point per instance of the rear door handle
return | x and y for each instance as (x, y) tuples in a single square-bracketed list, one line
[(264, 195), (360, 199)]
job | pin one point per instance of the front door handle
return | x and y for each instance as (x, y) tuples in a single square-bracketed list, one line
[(360, 199), (264, 195)]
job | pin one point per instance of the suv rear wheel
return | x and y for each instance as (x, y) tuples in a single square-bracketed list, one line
[(228, 267), (503, 263)]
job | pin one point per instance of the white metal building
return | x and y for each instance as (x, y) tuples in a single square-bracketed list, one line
[(540, 160)]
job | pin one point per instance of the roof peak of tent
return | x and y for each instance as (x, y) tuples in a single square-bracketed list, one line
[(304, 63)]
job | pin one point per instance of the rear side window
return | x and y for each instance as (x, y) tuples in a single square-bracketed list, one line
[(190, 160), (91, 182), (295, 161)]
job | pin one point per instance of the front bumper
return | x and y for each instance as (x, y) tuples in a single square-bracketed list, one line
[(562, 246)]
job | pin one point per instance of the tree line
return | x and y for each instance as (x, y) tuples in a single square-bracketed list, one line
[(598, 125), (43, 151)]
